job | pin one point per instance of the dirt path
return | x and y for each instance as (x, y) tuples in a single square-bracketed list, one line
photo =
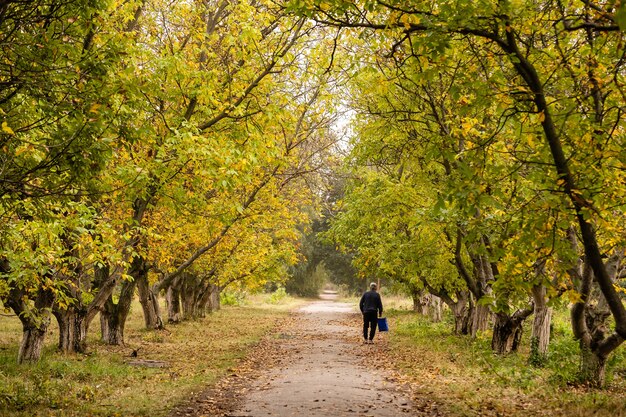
[(316, 366)]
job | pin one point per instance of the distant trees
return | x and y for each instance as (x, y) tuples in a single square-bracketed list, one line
[(321, 261)]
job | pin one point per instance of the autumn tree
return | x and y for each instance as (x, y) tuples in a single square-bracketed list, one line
[(238, 147), (187, 124), (562, 63), (59, 109)]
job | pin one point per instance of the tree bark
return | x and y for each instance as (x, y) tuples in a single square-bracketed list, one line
[(73, 328), (172, 300), (113, 316), (35, 325), (66, 330), (479, 318), (423, 301), (435, 308), (196, 295), (415, 296), (590, 318), (428, 305), (479, 285), (507, 331), (461, 311), (111, 332), (215, 299), (507, 334), (203, 297), (189, 305), (32, 343), (592, 367), (148, 300), (189, 296), (540, 336), (460, 308)]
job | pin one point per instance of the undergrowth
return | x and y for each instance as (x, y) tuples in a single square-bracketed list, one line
[(104, 383), (464, 374)]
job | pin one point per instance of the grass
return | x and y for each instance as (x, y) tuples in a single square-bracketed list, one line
[(463, 374), (458, 372), (102, 383)]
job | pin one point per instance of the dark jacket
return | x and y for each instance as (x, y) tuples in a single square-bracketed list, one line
[(371, 302)]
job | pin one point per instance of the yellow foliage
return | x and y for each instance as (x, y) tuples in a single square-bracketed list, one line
[(7, 129)]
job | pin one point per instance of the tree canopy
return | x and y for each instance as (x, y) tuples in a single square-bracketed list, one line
[(180, 149)]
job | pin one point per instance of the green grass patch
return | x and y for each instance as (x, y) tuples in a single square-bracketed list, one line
[(463, 374), (102, 383)]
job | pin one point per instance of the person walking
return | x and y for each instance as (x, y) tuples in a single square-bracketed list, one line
[(371, 306)]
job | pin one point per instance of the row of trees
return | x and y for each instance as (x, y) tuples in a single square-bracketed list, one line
[(151, 147), (488, 160), (160, 147)]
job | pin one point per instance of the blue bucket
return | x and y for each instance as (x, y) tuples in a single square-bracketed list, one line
[(382, 324)]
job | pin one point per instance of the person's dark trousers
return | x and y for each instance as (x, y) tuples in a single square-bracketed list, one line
[(370, 319)]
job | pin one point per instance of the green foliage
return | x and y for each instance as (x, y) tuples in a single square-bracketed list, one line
[(535, 358), (321, 260), (620, 16), (278, 296), (459, 127), (232, 298), (306, 284), (563, 361), (455, 366), (126, 142)]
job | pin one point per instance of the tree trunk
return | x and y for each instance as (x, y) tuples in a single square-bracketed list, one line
[(111, 332), (172, 299), (540, 336), (113, 316), (188, 301), (195, 295), (66, 329), (421, 301), (215, 300), (424, 301), (204, 301), (478, 283), (592, 367), (415, 296), (461, 312), (188, 290), (435, 308), (34, 325), (81, 328), (460, 308), (507, 333), (203, 297), (149, 303), (480, 316), (32, 343), (590, 319), (72, 330)]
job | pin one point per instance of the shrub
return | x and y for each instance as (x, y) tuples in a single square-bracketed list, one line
[(236, 298), (277, 296)]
